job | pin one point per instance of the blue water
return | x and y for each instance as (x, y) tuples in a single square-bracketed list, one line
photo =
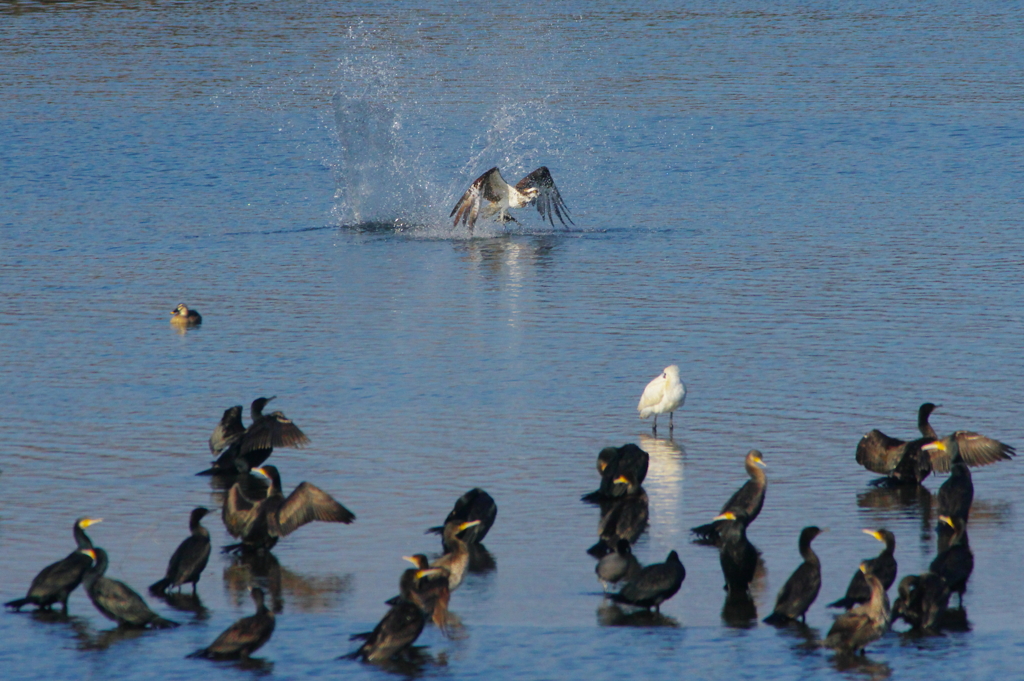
[(813, 210)]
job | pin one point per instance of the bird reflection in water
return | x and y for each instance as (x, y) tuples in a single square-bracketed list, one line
[(739, 611), (665, 478), (508, 252), (412, 663), (185, 602), (611, 615), (89, 640), (861, 666), (892, 502), (806, 639), (307, 594), (481, 561)]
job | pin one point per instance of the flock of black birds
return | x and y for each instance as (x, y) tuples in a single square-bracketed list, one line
[(923, 600), (259, 516)]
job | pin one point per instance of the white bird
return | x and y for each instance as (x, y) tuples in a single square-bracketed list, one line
[(537, 187), (665, 393)]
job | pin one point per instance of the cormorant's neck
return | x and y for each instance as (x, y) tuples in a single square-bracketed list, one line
[(922, 421), (81, 538)]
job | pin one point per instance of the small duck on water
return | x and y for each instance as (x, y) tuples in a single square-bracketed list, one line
[(182, 316)]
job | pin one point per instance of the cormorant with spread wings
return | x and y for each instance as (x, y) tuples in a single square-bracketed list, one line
[(259, 524), (492, 195), (241, 448), (912, 462)]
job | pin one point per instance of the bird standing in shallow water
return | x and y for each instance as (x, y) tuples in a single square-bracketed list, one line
[(862, 624), (118, 601), (241, 448), (910, 462), (613, 462), (457, 559), (618, 566), (476, 504), (882, 566), (956, 563), (260, 523), (736, 554), (746, 502), (189, 560), (803, 585), (653, 585), (243, 637), (56, 581), (400, 627), (664, 394), (922, 600)]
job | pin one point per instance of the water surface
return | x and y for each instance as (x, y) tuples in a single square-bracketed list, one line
[(814, 211)]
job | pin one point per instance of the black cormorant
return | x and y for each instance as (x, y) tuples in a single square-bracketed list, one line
[(802, 587), (653, 585), (475, 504), (116, 600), (737, 555), (746, 501), (862, 624), (56, 581), (613, 462), (259, 524), (456, 560), (956, 563), (243, 637), (400, 627), (882, 566), (910, 463), (427, 588), (922, 600), (189, 560), (242, 449)]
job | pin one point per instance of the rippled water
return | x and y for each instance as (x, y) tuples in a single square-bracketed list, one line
[(814, 211)]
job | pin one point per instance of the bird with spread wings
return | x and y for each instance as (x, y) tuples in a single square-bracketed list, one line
[(492, 195), (259, 523)]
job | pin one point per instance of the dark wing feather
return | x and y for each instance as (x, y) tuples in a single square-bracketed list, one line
[(880, 453), (549, 201), (308, 503), (228, 430), (273, 430), (976, 450), (239, 512), (490, 186)]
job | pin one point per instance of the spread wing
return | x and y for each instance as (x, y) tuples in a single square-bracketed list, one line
[(228, 430), (240, 512), (273, 430), (976, 450), (549, 201), (880, 453), (308, 503), (490, 187)]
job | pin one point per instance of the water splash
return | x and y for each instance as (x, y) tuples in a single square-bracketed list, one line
[(403, 160)]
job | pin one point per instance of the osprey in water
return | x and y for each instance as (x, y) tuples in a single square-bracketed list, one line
[(498, 196)]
